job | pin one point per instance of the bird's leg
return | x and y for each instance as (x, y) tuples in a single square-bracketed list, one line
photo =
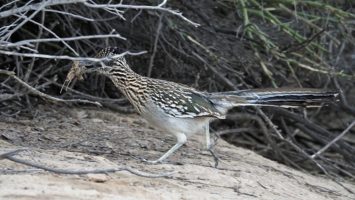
[(210, 146), (181, 140), (208, 137)]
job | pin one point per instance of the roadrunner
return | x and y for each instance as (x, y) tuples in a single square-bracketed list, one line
[(184, 111)]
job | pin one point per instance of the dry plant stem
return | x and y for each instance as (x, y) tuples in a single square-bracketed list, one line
[(144, 7), (30, 67), (37, 55), (51, 32), (18, 26), (344, 102), (345, 149), (273, 126), (334, 140), (267, 135), (43, 95), (10, 156), (84, 37), (39, 6), (157, 34), (336, 165), (16, 95), (303, 44), (70, 14), (310, 24), (11, 153), (215, 71), (36, 6), (88, 96)]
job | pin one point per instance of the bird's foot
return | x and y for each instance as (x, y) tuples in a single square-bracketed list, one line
[(158, 161), (152, 161)]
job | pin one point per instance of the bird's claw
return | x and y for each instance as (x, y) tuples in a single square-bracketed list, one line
[(150, 161)]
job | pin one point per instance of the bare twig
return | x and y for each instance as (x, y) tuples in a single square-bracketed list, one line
[(215, 71), (70, 14), (84, 37), (41, 94), (334, 140), (299, 149), (51, 32), (37, 6), (10, 156), (11, 153), (151, 61), (144, 7), (37, 55)]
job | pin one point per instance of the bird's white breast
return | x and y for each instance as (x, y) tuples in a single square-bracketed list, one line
[(158, 118)]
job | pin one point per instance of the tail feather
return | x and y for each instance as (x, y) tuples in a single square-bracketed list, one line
[(286, 97), (296, 97)]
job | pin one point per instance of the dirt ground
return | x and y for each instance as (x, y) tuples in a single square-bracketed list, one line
[(89, 138)]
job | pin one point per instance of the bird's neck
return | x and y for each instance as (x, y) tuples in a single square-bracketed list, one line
[(132, 85), (123, 78)]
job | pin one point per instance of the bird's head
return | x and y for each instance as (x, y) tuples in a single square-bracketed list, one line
[(111, 59), (110, 62)]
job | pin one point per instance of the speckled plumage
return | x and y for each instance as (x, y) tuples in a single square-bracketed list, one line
[(174, 99), (182, 110)]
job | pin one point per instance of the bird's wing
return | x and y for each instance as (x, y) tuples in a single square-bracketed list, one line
[(183, 102)]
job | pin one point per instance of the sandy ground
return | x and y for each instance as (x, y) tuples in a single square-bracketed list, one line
[(87, 138)]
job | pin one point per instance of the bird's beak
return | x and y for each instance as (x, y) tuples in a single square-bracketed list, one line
[(88, 64), (91, 66)]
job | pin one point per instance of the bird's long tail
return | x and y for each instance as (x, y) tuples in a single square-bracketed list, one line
[(288, 97)]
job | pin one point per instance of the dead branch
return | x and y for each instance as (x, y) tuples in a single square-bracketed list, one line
[(10, 156), (43, 95), (30, 41), (144, 7), (274, 128), (36, 6), (334, 140), (157, 34), (37, 55)]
